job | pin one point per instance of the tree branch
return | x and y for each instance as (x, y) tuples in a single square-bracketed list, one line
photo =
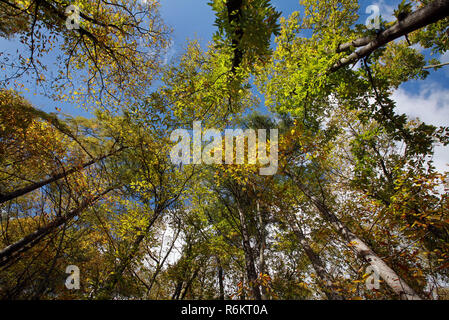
[(433, 12)]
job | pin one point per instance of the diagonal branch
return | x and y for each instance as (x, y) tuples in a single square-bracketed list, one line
[(53, 178), (431, 13)]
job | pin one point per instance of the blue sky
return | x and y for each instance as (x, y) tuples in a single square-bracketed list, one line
[(194, 18)]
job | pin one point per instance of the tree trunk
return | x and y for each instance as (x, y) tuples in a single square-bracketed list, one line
[(10, 252), (178, 289), (262, 244), (160, 265), (56, 177), (189, 283), (220, 279), (249, 259), (234, 10), (431, 13), (317, 263), (398, 285)]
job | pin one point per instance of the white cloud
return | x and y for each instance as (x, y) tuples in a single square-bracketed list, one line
[(431, 105), (444, 58)]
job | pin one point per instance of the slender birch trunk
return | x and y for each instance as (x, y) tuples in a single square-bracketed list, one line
[(391, 278)]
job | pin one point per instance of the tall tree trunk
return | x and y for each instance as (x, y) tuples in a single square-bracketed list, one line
[(178, 289), (262, 244), (220, 279), (10, 252), (317, 263), (234, 8), (56, 177), (189, 283), (243, 295), (249, 259), (391, 278)]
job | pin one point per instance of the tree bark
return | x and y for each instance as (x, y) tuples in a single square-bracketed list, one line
[(249, 259), (431, 13), (189, 283), (234, 8), (56, 177), (10, 252), (391, 278), (220, 279), (317, 263), (178, 289), (262, 244)]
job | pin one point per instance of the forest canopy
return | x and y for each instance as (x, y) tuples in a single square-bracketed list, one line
[(352, 206)]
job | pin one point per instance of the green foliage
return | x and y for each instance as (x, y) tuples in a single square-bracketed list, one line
[(250, 32), (139, 227)]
